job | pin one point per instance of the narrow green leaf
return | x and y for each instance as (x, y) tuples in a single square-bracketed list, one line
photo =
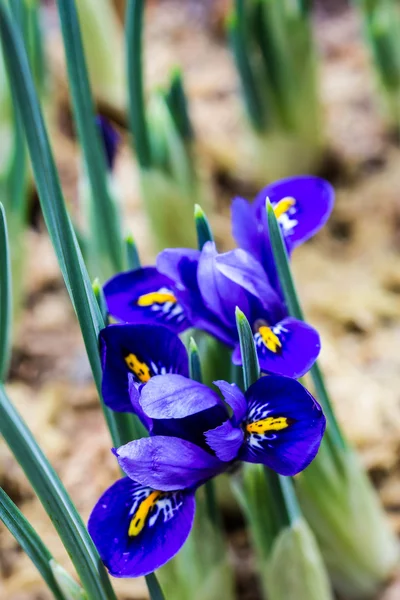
[(71, 589), (203, 229), (101, 300), (29, 541), (132, 254), (5, 297), (154, 587), (194, 361), (251, 368), (250, 89), (54, 499), (136, 103), (295, 310), (106, 234), (178, 105), (55, 215)]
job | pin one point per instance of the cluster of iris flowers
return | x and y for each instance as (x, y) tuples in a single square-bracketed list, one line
[(195, 432)]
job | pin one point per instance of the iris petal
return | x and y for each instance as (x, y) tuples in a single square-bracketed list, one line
[(288, 348), (313, 202), (225, 440), (145, 296), (284, 426), (240, 268), (175, 397), (245, 228), (233, 396), (167, 463), (130, 548), (131, 355), (180, 265), (220, 294)]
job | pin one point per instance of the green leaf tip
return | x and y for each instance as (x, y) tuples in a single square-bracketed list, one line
[(193, 348), (71, 589), (240, 316), (96, 286), (129, 239), (198, 212), (203, 229)]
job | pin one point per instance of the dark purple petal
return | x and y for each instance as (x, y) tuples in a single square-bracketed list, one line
[(284, 425), (233, 396), (137, 530), (288, 348), (245, 227), (306, 204), (134, 394), (220, 294), (225, 440), (175, 397), (241, 268), (110, 139), (191, 428), (141, 351), (145, 296), (167, 463), (180, 265)]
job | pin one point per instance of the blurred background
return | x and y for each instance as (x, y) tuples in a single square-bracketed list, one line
[(348, 275)]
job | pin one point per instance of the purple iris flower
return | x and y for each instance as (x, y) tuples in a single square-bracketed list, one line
[(302, 206), (145, 296), (143, 520), (131, 355), (110, 139), (206, 288)]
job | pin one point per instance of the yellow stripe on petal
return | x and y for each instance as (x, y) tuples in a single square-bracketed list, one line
[(140, 517), (283, 206), (268, 424), (141, 369), (156, 298), (270, 339)]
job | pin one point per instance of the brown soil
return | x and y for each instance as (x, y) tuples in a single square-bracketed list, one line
[(348, 278)]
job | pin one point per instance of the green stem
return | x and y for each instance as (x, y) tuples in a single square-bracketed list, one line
[(136, 104), (55, 501), (154, 587), (30, 542), (295, 310), (5, 297)]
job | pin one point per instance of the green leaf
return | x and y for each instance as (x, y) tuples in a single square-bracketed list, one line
[(55, 215), (250, 88), (54, 497), (71, 589), (251, 368), (106, 236), (178, 105), (136, 103), (132, 255), (154, 587), (295, 310), (101, 300), (29, 541), (5, 297), (194, 361), (204, 233)]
